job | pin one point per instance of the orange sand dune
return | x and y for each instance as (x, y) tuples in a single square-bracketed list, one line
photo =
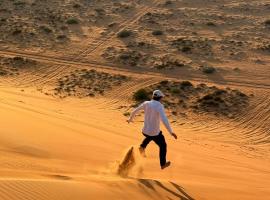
[(69, 149)]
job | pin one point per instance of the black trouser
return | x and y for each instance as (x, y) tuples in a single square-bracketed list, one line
[(160, 141)]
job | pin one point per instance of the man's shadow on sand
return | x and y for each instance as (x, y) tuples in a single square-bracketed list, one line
[(181, 194), (129, 161)]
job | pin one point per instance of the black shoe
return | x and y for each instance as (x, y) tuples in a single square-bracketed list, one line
[(167, 164)]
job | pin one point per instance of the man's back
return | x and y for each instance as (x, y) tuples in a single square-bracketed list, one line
[(152, 111)]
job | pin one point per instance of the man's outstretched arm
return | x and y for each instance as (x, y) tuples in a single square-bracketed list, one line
[(166, 123), (134, 112)]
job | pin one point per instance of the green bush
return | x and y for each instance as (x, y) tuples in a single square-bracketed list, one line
[(186, 49), (61, 37), (72, 21), (141, 95), (186, 84), (157, 32), (208, 69), (165, 82), (168, 3), (267, 22), (124, 34), (16, 32), (175, 90), (210, 24), (3, 72), (19, 3), (46, 29), (76, 5)]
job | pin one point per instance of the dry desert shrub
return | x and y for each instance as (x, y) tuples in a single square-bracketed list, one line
[(157, 32), (192, 45), (13, 65), (267, 22), (124, 34), (72, 20), (83, 83), (207, 69), (184, 96), (139, 54)]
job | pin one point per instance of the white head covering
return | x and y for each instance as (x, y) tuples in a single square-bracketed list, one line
[(158, 93)]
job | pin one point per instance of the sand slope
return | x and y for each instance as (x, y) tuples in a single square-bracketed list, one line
[(70, 149), (62, 151)]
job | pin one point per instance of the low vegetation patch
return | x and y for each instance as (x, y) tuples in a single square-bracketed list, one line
[(46, 29), (183, 96), (211, 24), (265, 47), (12, 65), (124, 34), (208, 69), (83, 83), (125, 57), (141, 95), (157, 32), (72, 21), (168, 63), (190, 45), (142, 58), (267, 22)]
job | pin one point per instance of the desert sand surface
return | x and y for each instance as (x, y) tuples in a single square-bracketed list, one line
[(72, 71)]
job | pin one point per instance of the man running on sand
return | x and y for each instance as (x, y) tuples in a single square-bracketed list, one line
[(153, 112)]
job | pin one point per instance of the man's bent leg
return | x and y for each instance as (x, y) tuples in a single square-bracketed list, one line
[(160, 141), (146, 141)]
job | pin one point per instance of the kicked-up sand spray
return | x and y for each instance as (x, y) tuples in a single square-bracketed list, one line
[(127, 163)]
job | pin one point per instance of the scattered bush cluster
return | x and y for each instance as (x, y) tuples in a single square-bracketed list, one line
[(138, 58), (265, 46), (183, 96), (190, 45), (12, 65), (82, 83)]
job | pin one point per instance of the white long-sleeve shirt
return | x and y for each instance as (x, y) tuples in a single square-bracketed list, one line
[(153, 113)]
